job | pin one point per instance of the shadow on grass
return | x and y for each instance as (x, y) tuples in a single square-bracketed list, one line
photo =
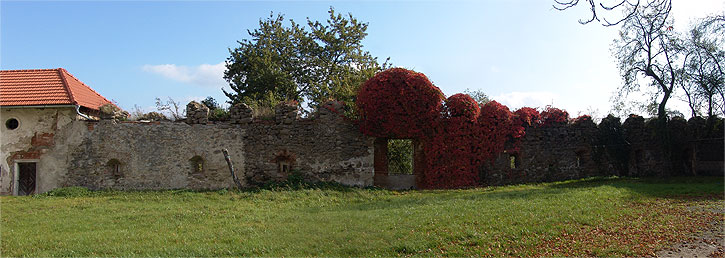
[(672, 187), (684, 188)]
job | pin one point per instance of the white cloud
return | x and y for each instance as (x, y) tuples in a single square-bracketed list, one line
[(205, 75), (193, 98), (495, 69), (516, 100)]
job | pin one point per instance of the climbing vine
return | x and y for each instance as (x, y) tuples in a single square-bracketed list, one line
[(398, 103), (553, 116), (458, 134)]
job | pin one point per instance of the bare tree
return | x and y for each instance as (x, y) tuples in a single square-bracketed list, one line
[(648, 49), (136, 113), (172, 107), (597, 8), (702, 78)]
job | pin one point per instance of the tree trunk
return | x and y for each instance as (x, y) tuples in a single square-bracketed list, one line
[(231, 168)]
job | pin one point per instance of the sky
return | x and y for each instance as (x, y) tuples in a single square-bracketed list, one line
[(519, 52)]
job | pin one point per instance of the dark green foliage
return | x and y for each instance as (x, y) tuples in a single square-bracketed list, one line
[(219, 114), (216, 112), (297, 181), (315, 63), (611, 143), (715, 127), (210, 102), (400, 156), (74, 191)]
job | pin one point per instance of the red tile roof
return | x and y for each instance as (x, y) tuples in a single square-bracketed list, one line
[(46, 87)]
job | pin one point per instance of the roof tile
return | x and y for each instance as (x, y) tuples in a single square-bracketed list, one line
[(46, 87)]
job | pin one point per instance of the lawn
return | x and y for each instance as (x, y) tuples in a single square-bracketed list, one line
[(600, 217)]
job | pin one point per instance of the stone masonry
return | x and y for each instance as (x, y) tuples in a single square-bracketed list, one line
[(325, 146), (197, 113), (572, 151), (171, 155)]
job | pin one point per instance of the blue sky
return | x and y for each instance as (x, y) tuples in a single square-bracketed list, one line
[(521, 53)]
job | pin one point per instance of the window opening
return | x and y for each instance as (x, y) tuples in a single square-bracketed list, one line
[(12, 124), (284, 160), (197, 165), (114, 168), (284, 167), (514, 161)]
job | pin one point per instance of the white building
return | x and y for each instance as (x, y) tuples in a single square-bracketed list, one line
[(34, 106)]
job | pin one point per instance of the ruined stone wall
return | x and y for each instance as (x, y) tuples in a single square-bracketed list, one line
[(170, 155), (578, 150), (557, 152), (110, 154), (323, 147), (154, 155)]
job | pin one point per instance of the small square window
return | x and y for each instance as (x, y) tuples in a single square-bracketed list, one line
[(514, 161), (284, 167), (114, 168), (197, 165)]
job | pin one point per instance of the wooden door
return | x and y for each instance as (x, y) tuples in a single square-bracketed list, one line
[(26, 178)]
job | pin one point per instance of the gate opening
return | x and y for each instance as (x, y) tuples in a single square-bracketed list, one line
[(400, 157), (398, 163)]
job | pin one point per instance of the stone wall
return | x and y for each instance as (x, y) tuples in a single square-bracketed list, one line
[(170, 155), (557, 152), (155, 155), (324, 146), (579, 150)]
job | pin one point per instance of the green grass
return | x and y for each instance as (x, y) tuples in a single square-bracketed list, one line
[(605, 217)]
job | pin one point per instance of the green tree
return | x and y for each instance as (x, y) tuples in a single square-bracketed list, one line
[(478, 95), (216, 111), (309, 64), (269, 67), (210, 102), (646, 49), (647, 52)]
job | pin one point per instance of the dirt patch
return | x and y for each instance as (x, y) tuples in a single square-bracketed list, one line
[(709, 243)]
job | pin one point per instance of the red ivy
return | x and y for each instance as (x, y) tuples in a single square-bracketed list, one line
[(460, 146), (554, 116), (463, 105), (582, 119), (527, 116), (398, 103), (458, 136)]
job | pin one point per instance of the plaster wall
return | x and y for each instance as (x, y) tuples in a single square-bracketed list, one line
[(33, 140)]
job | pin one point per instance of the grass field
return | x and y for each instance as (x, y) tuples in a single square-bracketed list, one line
[(601, 217)]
